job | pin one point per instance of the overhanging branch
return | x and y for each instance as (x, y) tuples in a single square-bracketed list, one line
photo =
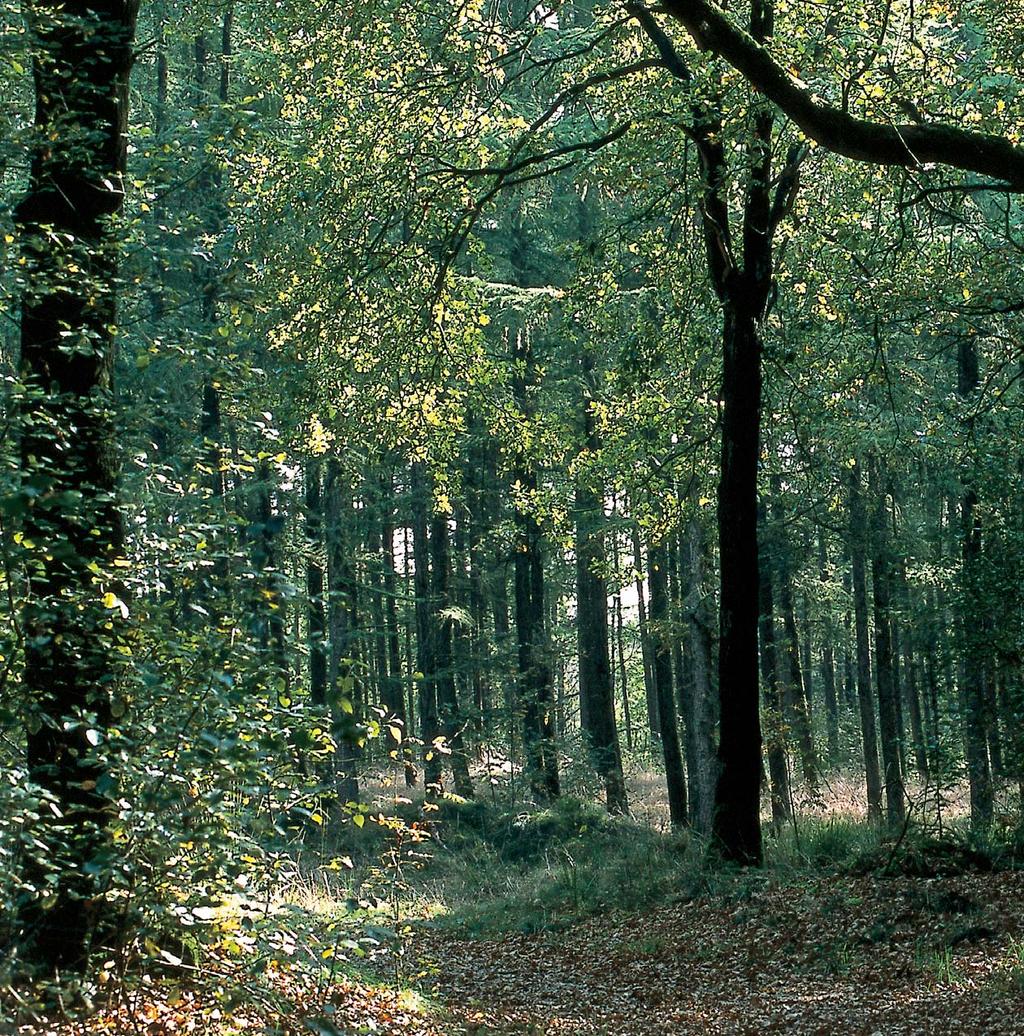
[(910, 146)]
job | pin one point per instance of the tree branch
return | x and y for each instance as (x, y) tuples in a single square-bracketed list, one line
[(911, 146)]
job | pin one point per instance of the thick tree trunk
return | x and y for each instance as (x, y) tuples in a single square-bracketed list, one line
[(865, 699), (72, 619), (737, 825)]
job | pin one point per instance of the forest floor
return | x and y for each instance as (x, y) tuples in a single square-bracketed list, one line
[(831, 955), (569, 923)]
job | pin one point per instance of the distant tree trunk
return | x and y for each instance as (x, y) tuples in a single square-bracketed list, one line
[(393, 694), (806, 654), (794, 702), (681, 668), (426, 658), (316, 616), (646, 641), (700, 706), (849, 670), (620, 653), (911, 692), (268, 605), (479, 645), (774, 724), (888, 714), (449, 713), (343, 697), (828, 667), (972, 697), (69, 450), (210, 194), (661, 632), (865, 698), (535, 685)]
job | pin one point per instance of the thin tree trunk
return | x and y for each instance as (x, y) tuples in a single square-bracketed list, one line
[(667, 723), (426, 658), (865, 698), (449, 712), (794, 702), (535, 685), (646, 641), (700, 718), (774, 724), (888, 714), (316, 616), (393, 696), (972, 696), (343, 697), (828, 668)]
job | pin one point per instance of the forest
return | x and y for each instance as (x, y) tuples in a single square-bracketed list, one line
[(511, 517)]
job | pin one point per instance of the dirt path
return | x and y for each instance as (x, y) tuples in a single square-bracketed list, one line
[(839, 955)]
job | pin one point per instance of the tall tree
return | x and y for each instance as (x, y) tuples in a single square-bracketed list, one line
[(597, 702), (70, 511)]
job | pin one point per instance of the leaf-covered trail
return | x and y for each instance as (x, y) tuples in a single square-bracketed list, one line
[(836, 955)]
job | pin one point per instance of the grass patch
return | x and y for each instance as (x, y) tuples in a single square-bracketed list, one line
[(837, 843), (497, 870)]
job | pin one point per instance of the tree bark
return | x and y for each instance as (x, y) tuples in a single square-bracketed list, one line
[(316, 616), (535, 683)]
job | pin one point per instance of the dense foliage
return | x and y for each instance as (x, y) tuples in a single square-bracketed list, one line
[(415, 402)]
